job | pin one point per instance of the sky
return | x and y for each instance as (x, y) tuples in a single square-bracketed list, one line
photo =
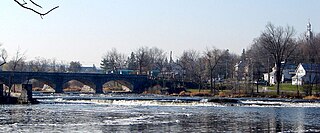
[(84, 30)]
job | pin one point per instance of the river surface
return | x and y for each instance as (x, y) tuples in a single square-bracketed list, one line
[(153, 113)]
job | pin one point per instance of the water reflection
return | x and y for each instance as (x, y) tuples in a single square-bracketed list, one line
[(82, 117)]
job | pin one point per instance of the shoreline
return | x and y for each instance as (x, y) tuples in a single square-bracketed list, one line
[(20, 100), (17, 100)]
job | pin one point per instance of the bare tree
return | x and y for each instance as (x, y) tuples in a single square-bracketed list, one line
[(75, 66), (157, 62), (213, 58), (143, 59), (56, 66), (113, 61), (280, 44), (53, 65), (18, 62), (157, 59), (61, 67), (39, 65), (24, 4), (194, 66), (132, 62)]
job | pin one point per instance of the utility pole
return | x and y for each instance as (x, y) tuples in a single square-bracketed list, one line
[(268, 70)]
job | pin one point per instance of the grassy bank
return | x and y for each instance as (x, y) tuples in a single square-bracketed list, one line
[(286, 87), (287, 91)]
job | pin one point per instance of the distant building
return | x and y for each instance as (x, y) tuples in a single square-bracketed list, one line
[(288, 70), (92, 69), (171, 70), (306, 73), (122, 71), (309, 34), (241, 69), (272, 79)]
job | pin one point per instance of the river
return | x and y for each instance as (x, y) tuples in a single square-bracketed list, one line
[(154, 113)]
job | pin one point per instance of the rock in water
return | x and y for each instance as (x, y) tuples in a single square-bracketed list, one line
[(224, 100)]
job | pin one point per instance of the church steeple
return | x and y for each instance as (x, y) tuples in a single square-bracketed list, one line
[(171, 60), (309, 34)]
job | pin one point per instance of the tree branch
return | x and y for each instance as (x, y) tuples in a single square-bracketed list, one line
[(37, 12), (35, 4)]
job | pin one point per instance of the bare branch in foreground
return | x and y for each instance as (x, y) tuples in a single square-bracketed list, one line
[(23, 5)]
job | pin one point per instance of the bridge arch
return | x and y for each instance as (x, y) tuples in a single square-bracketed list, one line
[(117, 86), (136, 83), (37, 81), (73, 84), (45, 80)]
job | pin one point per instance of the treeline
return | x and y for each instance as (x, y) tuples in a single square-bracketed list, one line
[(192, 66), (276, 45), (39, 64)]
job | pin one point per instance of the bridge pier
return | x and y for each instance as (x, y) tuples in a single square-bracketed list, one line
[(139, 87), (99, 88), (27, 89), (1, 90), (59, 87)]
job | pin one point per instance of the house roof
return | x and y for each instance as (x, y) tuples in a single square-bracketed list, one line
[(311, 67), (290, 66)]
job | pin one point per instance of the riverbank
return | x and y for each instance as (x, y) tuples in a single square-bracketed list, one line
[(17, 100), (229, 94), (8, 100)]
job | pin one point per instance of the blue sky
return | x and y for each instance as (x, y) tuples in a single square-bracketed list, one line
[(83, 30)]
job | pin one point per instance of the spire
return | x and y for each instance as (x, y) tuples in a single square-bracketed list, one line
[(243, 55), (309, 25), (171, 57), (309, 34)]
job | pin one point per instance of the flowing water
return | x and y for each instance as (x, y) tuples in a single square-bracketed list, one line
[(152, 113)]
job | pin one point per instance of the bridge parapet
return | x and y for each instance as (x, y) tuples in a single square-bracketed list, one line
[(139, 82)]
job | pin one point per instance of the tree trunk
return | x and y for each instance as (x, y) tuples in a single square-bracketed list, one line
[(214, 86), (163, 82), (211, 85), (200, 84), (140, 68), (278, 77)]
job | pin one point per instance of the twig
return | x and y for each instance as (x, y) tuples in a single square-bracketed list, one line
[(37, 12), (35, 4), (3, 63)]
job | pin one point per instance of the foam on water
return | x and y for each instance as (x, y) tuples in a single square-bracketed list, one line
[(155, 100), (279, 104), (134, 102)]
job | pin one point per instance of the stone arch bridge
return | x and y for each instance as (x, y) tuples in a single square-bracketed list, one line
[(56, 80)]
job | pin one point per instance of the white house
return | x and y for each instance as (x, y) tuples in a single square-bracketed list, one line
[(287, 73), (241, 70), (272, 74), (306, 73)]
